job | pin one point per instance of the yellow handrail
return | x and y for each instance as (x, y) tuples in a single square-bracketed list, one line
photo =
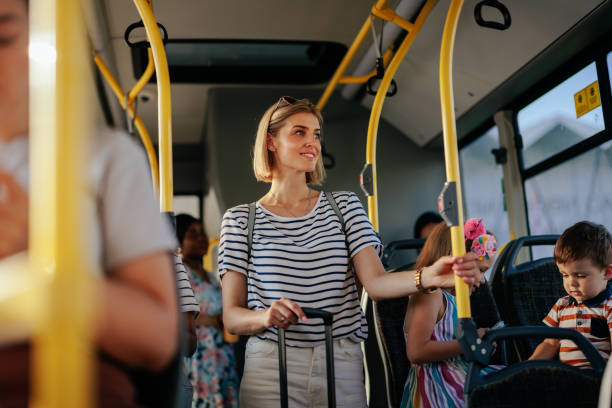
[(348, 57), (378, 103), (451, 154), (164, 105), (364, 78), (138, 123), (144, 78), (381, 10), (60, 114)]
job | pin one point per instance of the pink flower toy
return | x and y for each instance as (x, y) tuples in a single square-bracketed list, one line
[(484, 247), (474, 228)]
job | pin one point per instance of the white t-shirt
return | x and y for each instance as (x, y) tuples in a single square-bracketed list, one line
[(304, 259), (125, 222)]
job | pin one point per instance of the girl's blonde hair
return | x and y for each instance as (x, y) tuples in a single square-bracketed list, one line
[(270, 123), (438, 244)]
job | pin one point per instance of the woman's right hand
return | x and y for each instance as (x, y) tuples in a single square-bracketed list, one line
[(442, 273), (13, 217), (283, 313)]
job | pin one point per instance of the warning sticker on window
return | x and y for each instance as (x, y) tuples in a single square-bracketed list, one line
[(587, 99)]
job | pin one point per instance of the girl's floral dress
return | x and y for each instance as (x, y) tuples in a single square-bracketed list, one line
[(212, 368)]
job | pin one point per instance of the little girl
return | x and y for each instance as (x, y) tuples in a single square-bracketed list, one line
[(438, 370)]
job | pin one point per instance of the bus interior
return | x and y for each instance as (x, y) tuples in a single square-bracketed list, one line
[(532, 101)]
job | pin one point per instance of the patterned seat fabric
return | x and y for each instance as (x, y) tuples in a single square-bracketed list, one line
[(529, 295)]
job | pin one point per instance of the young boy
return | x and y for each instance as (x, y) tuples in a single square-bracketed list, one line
[(583, 254)]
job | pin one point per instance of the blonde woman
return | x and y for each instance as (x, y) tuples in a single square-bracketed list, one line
[(300, 257)]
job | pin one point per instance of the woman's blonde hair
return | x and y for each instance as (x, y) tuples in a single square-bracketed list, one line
[(270, 123), (438, 244)]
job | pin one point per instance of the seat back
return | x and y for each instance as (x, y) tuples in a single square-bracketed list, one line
[(387, 321), (541, 383), (525, 293), (553, 385), (485, 313), (389, 329)]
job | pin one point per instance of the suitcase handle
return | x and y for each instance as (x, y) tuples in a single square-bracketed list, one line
[(328, 320)]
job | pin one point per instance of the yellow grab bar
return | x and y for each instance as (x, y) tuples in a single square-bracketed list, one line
[(381, 10), (144, 78), (163, 103), (348, 57), (364, 78), (378, 103), (451, 155), (138, 123), (60, 114)]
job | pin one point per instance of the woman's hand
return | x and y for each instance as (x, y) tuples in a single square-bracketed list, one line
[(440, 274), (283, 313), (13, 217)]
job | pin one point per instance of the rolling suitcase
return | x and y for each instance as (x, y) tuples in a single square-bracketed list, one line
[(328, 320)]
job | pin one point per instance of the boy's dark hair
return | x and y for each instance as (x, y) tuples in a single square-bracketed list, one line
[(585, 240), (424, 219)]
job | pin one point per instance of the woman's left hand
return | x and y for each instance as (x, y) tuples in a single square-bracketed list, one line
[(440, 274)]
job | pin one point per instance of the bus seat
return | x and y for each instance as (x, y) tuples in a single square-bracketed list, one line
[(525, 293), (389, 328), (486, 314), (537, 383), (387, 321)]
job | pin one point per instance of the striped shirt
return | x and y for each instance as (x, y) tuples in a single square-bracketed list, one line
[(304, 259), (592, 318), (187, 299)]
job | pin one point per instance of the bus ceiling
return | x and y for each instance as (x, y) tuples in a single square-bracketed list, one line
[(486, 60)]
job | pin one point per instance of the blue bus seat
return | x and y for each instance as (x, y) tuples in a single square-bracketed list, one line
[(525, 293), (537, 383)]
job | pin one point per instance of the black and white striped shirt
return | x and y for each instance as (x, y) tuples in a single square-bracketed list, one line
[(304, 259), (187, 300)]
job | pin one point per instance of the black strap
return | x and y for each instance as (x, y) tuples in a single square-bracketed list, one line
[(250, 228), (334, 205)]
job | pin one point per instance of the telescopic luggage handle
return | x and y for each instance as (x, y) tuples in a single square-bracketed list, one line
[(328, 320)]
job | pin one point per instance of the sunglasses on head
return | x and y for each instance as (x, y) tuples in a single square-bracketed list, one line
[(286, 100)]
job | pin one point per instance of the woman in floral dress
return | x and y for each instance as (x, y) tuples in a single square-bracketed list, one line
[(211, 369)]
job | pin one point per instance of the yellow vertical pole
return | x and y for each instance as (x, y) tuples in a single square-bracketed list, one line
[(58, 127), (164, 106), (451, 154)]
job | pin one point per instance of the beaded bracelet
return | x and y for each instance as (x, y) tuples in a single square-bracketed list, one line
[(419, 285)]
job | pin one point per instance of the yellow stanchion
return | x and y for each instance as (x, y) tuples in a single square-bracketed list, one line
[(378, 104), (60, 115), (164, 106), (145, 138), (451, 154)]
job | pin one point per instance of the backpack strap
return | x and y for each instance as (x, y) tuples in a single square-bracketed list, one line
[(334, 205), (250, 228)]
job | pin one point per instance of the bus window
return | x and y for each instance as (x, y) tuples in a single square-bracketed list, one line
[(482, 184), (573, 191), (549, 124), (188, 204)]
